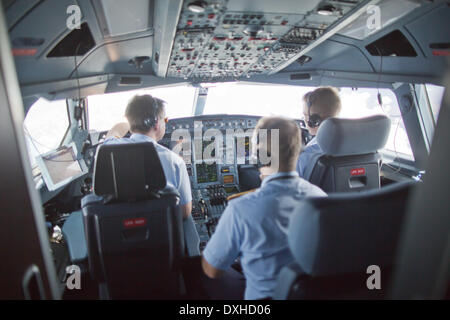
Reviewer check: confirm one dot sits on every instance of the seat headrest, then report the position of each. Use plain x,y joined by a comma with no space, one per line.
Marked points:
346,233
128,172
344,137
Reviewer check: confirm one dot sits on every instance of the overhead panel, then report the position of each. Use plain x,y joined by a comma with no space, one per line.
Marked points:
229,39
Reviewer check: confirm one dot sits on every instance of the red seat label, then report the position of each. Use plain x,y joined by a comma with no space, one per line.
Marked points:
134,222
358,172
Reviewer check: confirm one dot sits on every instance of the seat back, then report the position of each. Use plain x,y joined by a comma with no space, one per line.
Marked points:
334,240
350,161
134,238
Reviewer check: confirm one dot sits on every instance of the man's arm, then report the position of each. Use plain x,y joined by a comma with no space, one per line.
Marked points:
119,130
184,188
186,209
209,270
224,246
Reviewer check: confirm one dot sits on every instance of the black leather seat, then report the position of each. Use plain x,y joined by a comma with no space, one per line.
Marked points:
335,239
133,227
350,161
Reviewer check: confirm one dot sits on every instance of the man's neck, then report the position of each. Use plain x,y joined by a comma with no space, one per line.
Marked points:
149,134
285,169
266,171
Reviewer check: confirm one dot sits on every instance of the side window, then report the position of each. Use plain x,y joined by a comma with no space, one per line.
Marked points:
45,125
363,102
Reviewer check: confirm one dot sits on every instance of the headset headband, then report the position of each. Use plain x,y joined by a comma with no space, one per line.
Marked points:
150,122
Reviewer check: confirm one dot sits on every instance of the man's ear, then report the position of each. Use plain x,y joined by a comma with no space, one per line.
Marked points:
157,125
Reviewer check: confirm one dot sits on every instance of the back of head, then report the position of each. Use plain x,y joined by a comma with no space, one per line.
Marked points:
287,148
324,101
143,111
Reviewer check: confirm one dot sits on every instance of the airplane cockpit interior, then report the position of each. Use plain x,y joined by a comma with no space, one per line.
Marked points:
98,218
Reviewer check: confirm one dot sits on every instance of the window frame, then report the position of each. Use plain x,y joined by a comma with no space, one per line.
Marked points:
68,124
425,114
412,122
426,90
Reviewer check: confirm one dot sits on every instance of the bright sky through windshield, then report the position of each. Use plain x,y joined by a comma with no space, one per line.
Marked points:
105,110
47,121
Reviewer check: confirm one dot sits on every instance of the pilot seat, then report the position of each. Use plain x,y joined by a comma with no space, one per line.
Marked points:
133,226
350,161
339,242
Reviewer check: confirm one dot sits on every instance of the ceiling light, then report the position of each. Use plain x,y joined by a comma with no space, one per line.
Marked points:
197,6
326,10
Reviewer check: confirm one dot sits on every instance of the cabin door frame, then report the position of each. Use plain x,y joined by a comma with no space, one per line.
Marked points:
27,269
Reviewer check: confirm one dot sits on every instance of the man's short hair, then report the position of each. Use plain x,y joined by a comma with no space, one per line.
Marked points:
325,101
290,137
143,107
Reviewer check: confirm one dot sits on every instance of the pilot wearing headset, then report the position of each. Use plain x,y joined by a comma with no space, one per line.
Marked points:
147,123
253,227
319,105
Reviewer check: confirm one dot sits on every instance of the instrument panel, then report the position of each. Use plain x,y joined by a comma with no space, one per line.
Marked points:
217,153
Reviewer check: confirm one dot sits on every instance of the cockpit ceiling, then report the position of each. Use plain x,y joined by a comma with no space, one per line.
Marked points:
211,40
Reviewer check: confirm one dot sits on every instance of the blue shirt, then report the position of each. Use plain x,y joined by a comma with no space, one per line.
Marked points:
311,150
254,227
173,165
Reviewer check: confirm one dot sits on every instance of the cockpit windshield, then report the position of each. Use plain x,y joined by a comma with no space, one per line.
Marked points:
257,100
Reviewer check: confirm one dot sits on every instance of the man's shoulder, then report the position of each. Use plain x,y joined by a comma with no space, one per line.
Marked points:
113,140
249,197
248,203
312,146
163,149
308,152
309,189
163,152
169,154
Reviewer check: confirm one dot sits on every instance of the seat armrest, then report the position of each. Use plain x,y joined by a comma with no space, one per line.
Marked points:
191,238
73,232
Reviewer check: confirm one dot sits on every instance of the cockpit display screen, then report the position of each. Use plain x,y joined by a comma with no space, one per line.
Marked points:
61,166
206,173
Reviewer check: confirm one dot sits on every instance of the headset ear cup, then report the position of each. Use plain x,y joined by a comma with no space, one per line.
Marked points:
150,123
314,120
